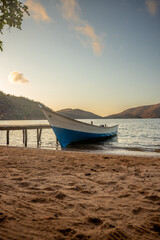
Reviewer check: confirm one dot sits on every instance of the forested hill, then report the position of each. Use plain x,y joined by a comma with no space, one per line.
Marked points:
19,108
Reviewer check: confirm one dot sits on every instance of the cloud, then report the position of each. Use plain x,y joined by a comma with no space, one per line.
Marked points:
71,12
37,11
89,32
152,6
16,77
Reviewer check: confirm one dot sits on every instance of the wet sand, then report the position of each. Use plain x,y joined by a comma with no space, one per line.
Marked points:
47,194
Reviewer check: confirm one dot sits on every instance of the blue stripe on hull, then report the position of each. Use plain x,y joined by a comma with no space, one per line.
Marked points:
66,136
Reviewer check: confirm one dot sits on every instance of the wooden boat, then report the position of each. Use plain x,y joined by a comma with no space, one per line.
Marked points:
69,131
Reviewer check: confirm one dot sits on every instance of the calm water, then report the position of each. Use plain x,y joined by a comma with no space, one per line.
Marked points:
135,137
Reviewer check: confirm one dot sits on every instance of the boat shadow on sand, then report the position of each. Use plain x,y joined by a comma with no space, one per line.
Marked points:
92,144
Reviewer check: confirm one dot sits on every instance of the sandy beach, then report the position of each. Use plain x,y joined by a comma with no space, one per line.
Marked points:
47,194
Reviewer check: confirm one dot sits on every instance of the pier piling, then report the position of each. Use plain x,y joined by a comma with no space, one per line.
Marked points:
39,133
24,129
25,137
7,135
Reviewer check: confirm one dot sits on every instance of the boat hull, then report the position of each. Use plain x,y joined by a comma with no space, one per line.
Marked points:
68,136
69,131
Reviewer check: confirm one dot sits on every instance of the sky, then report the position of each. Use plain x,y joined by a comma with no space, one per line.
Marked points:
100,56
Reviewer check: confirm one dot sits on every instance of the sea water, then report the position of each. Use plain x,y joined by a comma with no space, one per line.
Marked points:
135,137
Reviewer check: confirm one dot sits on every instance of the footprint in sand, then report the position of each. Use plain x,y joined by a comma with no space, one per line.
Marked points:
17,179
38,200
61,195
139,210
86,192
81,236
2,217
48,189
149,229
39,179
107,225
118,234
125,195
24,184
155,224
111,183
95,221
153,198
67,232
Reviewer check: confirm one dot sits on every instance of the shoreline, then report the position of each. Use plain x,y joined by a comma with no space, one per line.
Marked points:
70,195
137,152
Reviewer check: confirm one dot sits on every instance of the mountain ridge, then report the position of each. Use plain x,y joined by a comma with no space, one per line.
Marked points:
147,111
21,108
78,114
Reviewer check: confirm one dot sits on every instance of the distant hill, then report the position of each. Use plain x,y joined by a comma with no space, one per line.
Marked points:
150,111
19,108
78,114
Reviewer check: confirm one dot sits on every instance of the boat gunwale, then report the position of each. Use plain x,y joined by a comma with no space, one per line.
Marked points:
83,123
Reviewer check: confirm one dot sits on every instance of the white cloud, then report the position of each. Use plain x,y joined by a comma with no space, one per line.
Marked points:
37,11
71,12
16,77
88,31
152,6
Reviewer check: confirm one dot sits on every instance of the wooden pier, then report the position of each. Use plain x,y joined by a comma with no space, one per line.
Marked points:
24,128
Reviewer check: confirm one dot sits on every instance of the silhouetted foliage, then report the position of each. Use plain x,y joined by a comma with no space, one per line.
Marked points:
11,14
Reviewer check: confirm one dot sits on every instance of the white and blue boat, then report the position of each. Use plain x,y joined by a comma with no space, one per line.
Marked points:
70,131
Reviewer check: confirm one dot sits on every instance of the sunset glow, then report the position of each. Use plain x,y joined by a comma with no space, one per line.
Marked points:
99,56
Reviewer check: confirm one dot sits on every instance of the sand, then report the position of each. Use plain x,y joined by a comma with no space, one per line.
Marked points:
47,194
